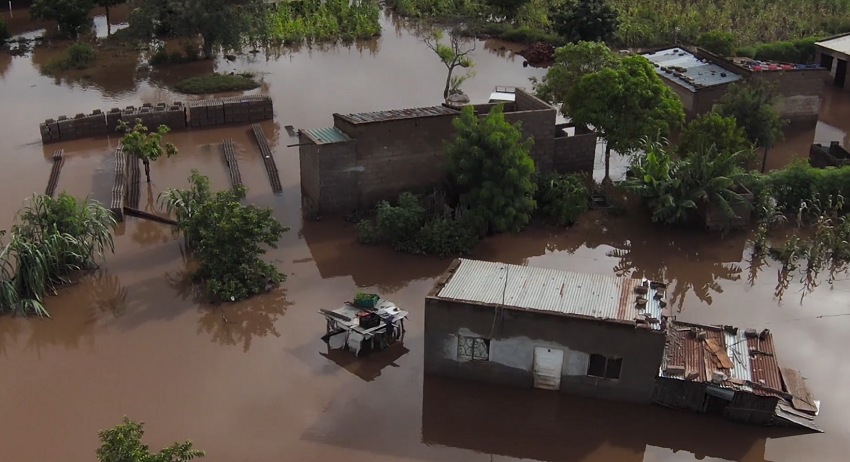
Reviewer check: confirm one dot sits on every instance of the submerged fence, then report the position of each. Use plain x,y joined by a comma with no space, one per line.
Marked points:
217,111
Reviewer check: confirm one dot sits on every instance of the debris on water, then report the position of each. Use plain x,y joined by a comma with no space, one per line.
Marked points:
539,54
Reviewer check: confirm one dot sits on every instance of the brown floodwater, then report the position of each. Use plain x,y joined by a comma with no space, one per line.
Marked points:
133,339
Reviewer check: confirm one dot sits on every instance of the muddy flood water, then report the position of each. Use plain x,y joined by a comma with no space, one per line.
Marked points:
131,339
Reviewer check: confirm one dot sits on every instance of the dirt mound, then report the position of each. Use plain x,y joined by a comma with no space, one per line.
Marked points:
539,54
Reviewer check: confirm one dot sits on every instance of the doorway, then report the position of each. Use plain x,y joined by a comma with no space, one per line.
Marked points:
548,363
840,73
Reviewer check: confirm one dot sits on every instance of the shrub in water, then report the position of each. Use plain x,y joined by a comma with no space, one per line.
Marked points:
562,198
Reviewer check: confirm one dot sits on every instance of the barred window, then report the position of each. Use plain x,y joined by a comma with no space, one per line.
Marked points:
604,368
473,348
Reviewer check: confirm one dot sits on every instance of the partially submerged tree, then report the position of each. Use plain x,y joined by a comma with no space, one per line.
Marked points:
572,62
624,105
753,108
107,4
489,160
590,20
72,16
123,443
712,128
226,238
453,55
146,146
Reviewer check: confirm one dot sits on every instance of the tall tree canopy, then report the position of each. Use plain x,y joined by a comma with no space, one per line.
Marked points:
491,162
572,62
591,20
625,104
72,16
712,128
753,106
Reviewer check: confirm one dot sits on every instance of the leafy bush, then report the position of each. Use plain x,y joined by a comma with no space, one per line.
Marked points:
123,444
226,238
77,56
562,198
746,52
711,128
718,42
409,226
4,30
778,51
801,186
585,20
72,16
216,83
161,57
675,189
366,232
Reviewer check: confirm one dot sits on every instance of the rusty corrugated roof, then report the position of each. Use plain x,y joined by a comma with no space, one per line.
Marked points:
754,366
765,367
567,293
398,114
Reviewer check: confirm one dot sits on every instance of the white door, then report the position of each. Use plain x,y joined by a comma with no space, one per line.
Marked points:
547,368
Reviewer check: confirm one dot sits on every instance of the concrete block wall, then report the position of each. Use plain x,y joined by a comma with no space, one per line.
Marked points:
152,116
329,177
80,126
394,156
574,154
538,125
800,90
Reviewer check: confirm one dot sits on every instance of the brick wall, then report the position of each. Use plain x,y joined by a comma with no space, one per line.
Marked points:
574,153
398,155
686,96
329,176
539,125
800,90
706,98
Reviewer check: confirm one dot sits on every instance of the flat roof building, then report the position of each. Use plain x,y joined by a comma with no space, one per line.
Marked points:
833,54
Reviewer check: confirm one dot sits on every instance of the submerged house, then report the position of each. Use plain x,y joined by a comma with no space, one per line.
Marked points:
603,337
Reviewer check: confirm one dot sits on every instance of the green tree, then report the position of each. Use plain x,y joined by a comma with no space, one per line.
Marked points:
489,159
718,42
572,62
123,443
753,106
146,146
226,238
106,4
624,105
508,8
220,23
585,20
712,128
453,55
72,16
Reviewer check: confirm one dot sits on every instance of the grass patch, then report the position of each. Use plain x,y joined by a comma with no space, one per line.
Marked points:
77,56
314,20
522,34
216,83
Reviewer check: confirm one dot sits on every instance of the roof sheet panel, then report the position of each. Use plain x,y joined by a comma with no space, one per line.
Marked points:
327,135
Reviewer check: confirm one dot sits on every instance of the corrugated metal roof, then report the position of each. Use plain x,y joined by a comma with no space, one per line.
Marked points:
326,135
736,349
561,292
702,72
398,114
763,362
840,43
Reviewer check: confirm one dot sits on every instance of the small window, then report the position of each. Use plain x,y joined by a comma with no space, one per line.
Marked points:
473,348
604,368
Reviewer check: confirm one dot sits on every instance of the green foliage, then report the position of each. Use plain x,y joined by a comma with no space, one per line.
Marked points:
72,16
794,51
410,227
453,55
521,34
562,198
625,104
226,238
146,146
746,52
55,237
675,189
317,21
645,23
753,108
123,443
508,8
585,20
4,30
220,23
216,83
489,160
718,42
801,187
572,62
78,56
437,9
711,128
162,57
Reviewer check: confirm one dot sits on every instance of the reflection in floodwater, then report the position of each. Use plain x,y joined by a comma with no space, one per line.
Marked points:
369,367
546,426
